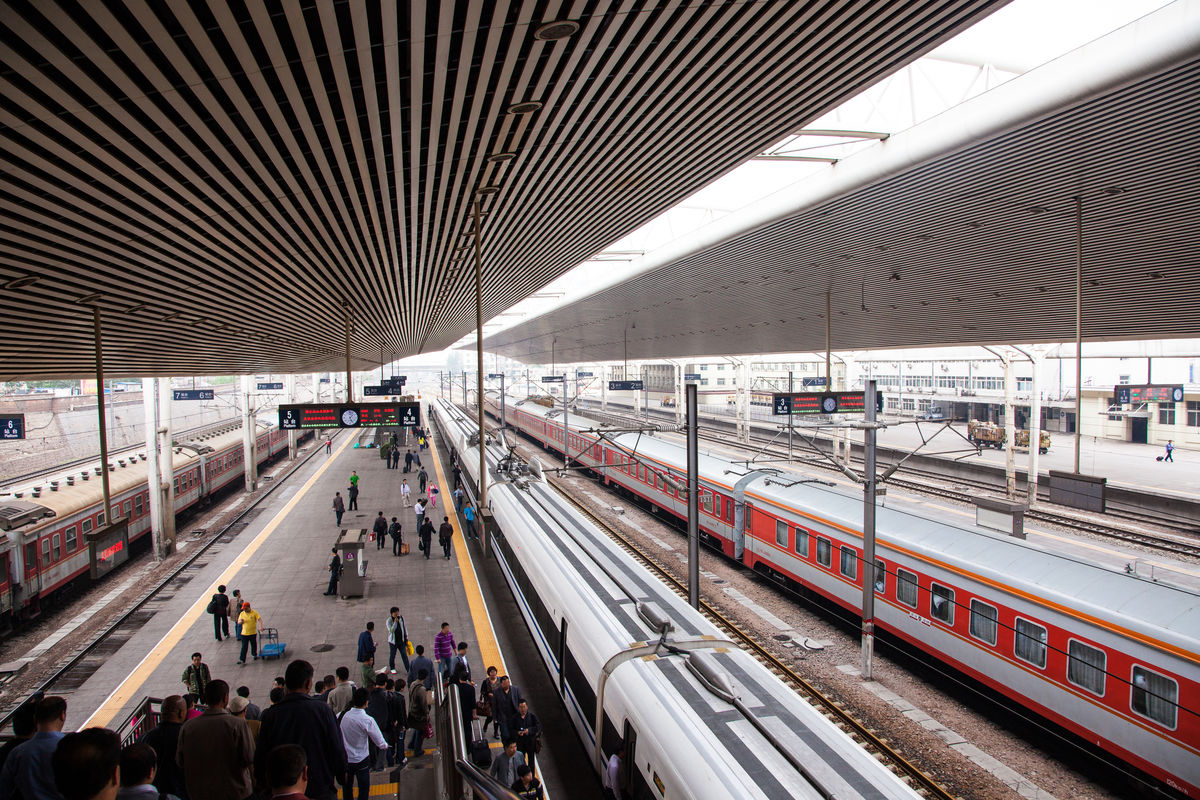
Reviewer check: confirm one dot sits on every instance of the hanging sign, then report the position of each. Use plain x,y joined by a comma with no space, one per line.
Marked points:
193,394
353,415
270,387
12,426
625,386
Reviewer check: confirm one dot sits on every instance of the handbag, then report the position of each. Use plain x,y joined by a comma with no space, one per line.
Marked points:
212,606
408,647
428,732
483,707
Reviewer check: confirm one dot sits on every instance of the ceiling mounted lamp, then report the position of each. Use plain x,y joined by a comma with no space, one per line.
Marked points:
1114,190
170,316
527,107
20,282
486,190
500,158
558,29
136,308
88,299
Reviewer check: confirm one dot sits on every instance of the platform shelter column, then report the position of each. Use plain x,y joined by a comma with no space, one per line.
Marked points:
289,387
316,387
604,387
249,436
166,464
153,457
1035,421
1010,430
743,401
679,389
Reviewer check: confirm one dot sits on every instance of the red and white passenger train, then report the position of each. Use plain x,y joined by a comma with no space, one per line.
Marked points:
56,530
1113,657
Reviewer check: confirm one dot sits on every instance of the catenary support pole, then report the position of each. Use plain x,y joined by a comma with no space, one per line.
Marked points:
503,402
1035,424
791,390
479,355
566,444
693,499
1078,327
103,428
289,388
868,564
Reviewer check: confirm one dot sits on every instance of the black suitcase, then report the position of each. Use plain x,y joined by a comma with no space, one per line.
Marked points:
481,751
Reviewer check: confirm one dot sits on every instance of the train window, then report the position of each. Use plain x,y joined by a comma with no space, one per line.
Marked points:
46,550
983,621
57,547
1086,666
706,501
941,603
801,544
781,533
31,558
86,527
729,512
1031,642
137,505
880,577
824,552
716,501
70,537
849,562
1154,696
129,508
100,518
641,472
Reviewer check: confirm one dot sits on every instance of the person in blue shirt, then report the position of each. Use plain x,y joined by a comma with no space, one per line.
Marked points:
469,516
366,643
28,772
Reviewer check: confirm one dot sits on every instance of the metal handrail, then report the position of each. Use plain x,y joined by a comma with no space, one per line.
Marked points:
466,779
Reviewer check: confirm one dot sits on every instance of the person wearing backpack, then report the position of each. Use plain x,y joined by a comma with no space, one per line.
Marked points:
418,712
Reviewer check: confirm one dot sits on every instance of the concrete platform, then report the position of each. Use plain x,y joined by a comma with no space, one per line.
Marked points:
279,563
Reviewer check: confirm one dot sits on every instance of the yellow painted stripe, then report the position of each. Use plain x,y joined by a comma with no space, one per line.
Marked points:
481,618
131,687
384,789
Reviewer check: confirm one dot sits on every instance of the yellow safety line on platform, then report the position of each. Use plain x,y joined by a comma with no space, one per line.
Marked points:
133,684
485,634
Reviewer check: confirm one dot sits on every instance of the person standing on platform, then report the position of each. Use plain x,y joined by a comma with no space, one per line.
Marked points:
457,476
352,493
328,445
366,671
408,459
335,572
418,711
458,498
85,766
612,774
486,690
23,728
419,510
469,517
354,478
339,508
445,535
527,786
421,663
235,608
426,534
287,772
28,772
460,660
1170,456
139,767
422,480
238,706
339,697
528,730
303,720
359,731
253,712
251,622
379,709
379,529
196,676
505,701
165,741
397,639
216,751
443,650
218,606
395,533
406,493
366,643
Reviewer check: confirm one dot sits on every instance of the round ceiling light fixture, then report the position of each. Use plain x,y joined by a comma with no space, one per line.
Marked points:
500,158
88,299
20,282
485,190
558,29
527,107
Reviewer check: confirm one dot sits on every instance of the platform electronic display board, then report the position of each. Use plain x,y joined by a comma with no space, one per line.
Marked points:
823,403
691,376
269,387
552,379
108,547
1150,393
348,415
193,394
12,426
625,386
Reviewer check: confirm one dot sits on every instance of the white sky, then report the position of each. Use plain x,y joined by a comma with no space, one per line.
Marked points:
1013,40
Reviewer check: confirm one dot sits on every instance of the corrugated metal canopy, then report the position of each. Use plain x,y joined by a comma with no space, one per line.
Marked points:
227,175
959,231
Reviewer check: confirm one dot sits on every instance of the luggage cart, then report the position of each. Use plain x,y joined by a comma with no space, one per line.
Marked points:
271,647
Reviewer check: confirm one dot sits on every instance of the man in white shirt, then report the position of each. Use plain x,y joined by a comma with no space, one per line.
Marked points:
358,731
406,493
612,775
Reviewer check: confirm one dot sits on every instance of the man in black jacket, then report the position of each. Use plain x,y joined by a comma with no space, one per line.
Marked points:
305,721
165,739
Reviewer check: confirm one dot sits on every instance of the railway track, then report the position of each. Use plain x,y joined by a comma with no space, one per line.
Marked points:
857,730
101,645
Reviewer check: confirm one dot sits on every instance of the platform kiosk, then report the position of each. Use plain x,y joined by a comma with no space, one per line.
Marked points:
351,547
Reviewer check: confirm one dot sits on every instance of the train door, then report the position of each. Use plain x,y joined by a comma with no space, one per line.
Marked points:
1139,429
634,781
562,652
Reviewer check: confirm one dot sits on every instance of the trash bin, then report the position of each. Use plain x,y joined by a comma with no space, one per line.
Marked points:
351,549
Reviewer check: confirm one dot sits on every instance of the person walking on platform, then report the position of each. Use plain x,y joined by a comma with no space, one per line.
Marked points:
354,478
196,676
300,719
418,711
216,750
486,690
443,650
423,480
421,664
352,493
328,445
445,536
419,510
504,768
406,493
396,533
408,459
339,696
433,495
417,458
528,730
165,741
527,786
339,508
379,530
457,476
505,701
359,731
251,622
335,572
426,535
366,643
218,606
397,639
1170,456
469,516
457,494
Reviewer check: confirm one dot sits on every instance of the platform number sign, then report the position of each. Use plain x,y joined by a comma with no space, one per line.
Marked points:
12,426
193,394
625,386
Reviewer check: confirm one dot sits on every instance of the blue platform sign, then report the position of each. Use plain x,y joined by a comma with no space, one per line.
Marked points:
810,382
12,426
270,387
376,391
583,374
625,386
495,376
783,404
552,379
193,394
691,376
324,380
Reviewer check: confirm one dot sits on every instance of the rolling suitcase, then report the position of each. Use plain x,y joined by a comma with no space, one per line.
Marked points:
481,751
270,646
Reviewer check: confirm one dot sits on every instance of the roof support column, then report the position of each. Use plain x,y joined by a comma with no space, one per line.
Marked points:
679,390
316,387
1010,430
479,360
249,436
103,429
1078,326
1035,423
349,384
153,458
604,387
166,464
289,386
